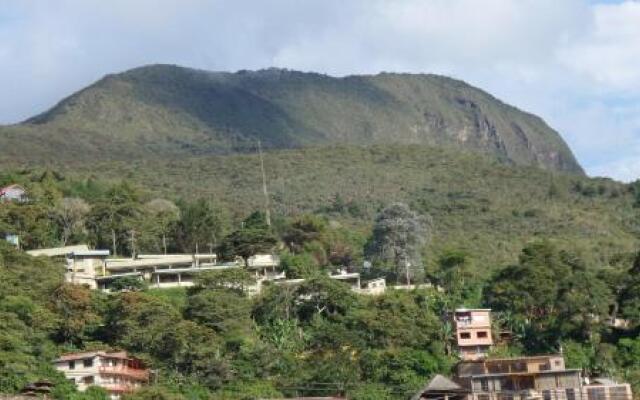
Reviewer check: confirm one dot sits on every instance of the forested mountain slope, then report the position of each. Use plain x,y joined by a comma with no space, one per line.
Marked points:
477,203
162,110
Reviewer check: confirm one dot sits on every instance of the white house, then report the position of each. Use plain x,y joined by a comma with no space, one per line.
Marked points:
116,372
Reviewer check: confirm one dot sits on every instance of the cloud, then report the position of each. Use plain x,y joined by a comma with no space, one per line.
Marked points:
572,62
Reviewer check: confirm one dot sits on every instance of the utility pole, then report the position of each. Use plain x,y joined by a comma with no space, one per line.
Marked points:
264,186
133,243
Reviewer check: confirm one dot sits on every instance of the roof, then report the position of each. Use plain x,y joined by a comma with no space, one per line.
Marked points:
9,187
58,251
605,381
91,253
439,384
523,358
548,372
472,309
148,262
90,354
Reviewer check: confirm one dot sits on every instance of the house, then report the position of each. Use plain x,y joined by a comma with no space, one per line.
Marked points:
116,372
441,388
473,332
84,265
13,193
542,377
12,239
41,389
373,287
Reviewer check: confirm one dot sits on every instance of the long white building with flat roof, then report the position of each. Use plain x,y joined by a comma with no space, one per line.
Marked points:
97,270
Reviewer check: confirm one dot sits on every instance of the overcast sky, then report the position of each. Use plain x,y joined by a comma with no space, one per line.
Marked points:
576,63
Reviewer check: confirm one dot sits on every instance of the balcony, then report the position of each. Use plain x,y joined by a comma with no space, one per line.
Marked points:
135,373
118,387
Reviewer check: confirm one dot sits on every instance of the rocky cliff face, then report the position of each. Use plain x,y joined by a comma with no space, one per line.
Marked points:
167,110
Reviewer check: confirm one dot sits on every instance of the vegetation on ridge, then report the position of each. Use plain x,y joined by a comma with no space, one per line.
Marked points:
162,110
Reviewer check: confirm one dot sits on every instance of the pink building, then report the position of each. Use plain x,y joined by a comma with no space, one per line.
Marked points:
473,332
13,193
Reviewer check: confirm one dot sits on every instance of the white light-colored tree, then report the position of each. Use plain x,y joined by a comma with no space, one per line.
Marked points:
72,213
399,234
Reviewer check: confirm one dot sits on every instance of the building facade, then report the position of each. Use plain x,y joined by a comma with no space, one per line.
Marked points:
115,372
473,333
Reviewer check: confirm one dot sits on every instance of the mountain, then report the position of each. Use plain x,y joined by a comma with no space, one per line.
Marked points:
164,111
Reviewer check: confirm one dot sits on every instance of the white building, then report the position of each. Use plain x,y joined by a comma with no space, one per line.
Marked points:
116,372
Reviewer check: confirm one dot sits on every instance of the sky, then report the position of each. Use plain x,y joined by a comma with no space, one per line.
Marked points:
576,63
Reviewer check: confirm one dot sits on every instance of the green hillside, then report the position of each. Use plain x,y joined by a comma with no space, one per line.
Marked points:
478,204
162,110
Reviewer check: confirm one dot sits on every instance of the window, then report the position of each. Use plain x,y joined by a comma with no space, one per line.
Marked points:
72,365
465,335
481,334
87,362
570,393
484,385
546,395
596,394
618,393
88,380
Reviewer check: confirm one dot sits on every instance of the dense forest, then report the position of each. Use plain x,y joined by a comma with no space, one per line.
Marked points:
317,338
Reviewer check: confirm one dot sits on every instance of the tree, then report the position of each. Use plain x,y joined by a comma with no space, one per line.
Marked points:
71,213
115,215
398,236
201,224
225,311
303,229
165,214
253,238
72,304
128,283
553,294
230,279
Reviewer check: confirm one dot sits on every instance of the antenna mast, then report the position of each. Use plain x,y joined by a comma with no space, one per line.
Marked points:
264,186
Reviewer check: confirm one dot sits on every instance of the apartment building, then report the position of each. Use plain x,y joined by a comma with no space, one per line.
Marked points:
473,332
116,372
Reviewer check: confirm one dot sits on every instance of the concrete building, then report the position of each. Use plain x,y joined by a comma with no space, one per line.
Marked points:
473,332
523,377
95,269
116,372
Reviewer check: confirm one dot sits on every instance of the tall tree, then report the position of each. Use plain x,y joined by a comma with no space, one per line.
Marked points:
71,214
202,224
115,216
399,234
254,237
164,215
